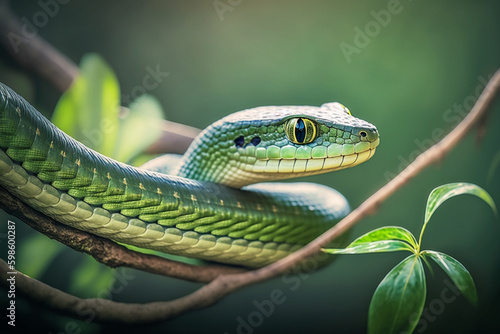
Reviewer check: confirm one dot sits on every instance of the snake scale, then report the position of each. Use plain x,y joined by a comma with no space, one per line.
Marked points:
210,208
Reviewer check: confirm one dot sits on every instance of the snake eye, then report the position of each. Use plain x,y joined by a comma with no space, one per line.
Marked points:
300,130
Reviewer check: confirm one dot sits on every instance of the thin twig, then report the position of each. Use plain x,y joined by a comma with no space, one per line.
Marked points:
109,311
107,251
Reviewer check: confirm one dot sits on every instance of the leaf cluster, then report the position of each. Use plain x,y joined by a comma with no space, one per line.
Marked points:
401,294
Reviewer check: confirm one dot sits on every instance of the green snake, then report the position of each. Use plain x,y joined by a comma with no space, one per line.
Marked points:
209,208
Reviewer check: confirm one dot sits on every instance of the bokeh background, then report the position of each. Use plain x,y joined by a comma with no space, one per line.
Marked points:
410,75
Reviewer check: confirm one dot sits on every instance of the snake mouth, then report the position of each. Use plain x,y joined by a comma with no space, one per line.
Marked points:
316,160
277,163
287,166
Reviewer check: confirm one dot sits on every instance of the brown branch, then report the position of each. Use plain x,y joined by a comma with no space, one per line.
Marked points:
175,138
105,310
37,55
110,311
107,251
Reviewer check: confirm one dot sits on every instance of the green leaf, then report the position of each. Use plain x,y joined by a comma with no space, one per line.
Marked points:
458,274
439,195
36,253
139,128
442,193
386,233
88,110
398,302
91,278
373,247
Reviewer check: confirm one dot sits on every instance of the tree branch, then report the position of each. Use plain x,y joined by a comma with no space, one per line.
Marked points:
106,310
109,311
175,138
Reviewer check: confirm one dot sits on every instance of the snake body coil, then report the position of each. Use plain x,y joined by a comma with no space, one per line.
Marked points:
253,226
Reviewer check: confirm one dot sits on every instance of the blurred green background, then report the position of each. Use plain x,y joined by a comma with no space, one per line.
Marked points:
409,74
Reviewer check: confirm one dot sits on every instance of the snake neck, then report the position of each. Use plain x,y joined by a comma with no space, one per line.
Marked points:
208,162
214,157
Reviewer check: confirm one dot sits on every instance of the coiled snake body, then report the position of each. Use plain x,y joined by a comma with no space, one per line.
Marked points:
200,212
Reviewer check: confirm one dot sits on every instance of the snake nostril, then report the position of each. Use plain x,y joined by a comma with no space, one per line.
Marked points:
255,141
240,141
367,134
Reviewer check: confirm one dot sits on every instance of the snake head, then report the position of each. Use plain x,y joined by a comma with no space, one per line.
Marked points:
279,142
